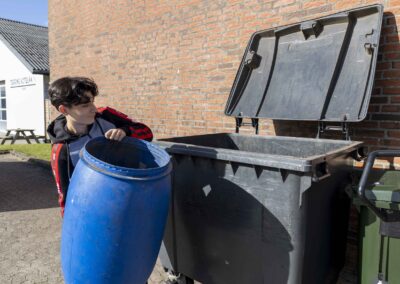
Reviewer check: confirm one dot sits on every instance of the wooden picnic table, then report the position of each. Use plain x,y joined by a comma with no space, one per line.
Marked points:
19,134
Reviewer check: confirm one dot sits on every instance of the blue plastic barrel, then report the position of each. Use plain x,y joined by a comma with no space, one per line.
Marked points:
115,213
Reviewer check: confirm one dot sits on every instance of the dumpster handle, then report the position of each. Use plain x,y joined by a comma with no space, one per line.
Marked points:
364,178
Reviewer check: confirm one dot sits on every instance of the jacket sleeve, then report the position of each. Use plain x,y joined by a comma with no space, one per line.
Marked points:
59,165
131,128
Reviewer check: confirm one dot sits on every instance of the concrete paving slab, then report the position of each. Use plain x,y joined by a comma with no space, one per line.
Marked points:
30,225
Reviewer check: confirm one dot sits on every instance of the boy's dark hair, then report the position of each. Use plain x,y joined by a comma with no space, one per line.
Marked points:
71,91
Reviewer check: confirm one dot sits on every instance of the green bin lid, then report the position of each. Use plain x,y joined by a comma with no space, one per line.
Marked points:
384,186
386,193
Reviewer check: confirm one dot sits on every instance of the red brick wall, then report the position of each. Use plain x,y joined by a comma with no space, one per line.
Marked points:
171,64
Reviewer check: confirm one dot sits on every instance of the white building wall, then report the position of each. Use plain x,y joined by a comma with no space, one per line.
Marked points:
25,104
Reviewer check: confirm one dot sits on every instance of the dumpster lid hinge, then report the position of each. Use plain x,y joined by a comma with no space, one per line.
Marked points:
344,128
240,123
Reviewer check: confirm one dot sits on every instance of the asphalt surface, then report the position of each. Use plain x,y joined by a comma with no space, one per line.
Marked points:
30,225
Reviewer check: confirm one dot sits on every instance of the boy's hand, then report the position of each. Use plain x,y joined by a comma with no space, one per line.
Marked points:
115,134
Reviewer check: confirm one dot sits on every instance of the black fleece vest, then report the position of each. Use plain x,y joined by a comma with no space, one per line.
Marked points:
99,127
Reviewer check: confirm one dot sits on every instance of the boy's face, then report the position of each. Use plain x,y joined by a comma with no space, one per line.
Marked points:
82,113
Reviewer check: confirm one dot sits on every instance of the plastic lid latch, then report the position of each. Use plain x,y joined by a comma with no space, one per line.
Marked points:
371,41
252,60
311,28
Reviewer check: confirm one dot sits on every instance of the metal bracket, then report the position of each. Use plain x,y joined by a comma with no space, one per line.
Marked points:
344,128
240,123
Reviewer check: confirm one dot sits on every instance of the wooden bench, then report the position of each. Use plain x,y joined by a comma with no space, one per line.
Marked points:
19,134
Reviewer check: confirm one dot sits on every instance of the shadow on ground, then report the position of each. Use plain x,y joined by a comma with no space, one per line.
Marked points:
25,186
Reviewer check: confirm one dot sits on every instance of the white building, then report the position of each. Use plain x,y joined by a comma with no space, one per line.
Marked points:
24,75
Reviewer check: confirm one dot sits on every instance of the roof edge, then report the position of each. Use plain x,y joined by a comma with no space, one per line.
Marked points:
41,72
17,54
24,23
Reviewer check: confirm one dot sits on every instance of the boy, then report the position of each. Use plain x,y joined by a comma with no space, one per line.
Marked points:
79,122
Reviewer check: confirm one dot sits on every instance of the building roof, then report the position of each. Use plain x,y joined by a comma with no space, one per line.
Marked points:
28,42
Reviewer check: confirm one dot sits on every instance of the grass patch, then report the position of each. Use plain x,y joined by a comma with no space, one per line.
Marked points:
38,151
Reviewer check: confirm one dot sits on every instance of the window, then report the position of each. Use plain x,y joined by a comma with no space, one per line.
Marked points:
3,107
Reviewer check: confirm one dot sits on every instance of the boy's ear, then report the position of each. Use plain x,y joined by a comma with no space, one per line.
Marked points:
62,109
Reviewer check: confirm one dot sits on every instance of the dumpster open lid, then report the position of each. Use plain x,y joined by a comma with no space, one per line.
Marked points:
320,70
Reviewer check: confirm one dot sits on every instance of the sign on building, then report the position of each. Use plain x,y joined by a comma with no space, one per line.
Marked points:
23,81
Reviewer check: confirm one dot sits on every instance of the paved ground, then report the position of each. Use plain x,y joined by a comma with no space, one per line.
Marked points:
30,225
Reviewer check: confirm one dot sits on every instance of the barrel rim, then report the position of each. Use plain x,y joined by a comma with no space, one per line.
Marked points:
125,172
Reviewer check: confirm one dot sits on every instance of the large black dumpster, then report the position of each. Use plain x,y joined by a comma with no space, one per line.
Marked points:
252,209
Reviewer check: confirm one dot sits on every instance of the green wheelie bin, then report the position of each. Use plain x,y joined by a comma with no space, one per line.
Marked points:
379,206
